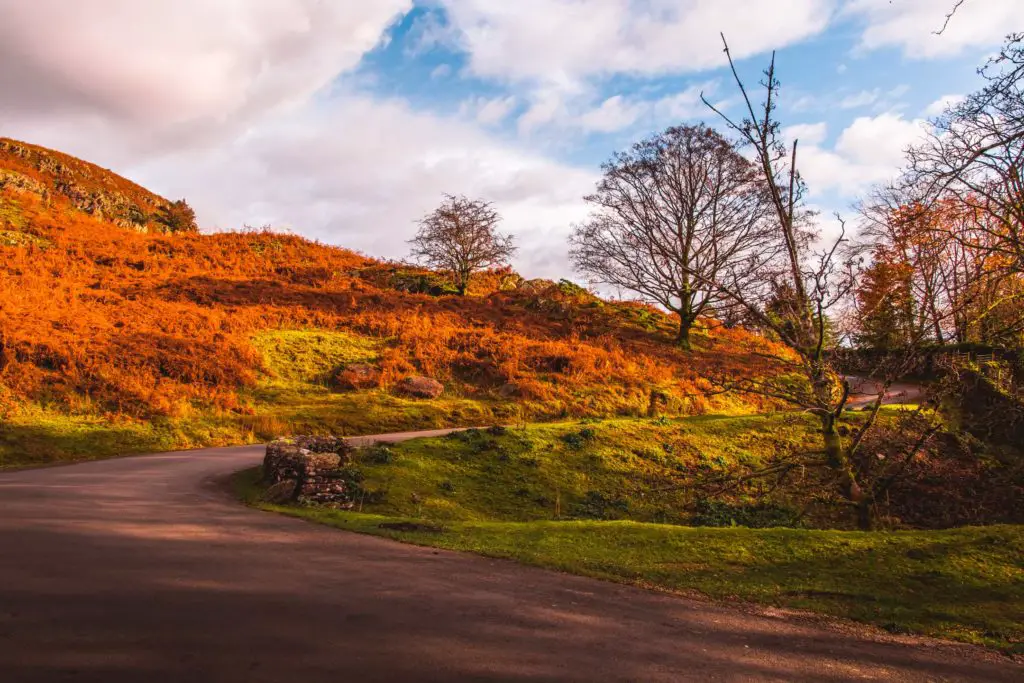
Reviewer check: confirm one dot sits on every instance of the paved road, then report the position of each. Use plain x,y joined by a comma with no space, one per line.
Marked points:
144,569
864,392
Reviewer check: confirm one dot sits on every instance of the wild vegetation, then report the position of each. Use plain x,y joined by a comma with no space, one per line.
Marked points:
116,340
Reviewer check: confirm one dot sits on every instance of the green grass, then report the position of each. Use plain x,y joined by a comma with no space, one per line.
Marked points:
304,357
293,397
35,435
964,584
638,469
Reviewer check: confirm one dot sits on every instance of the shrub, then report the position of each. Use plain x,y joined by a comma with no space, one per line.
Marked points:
597,505
579,439
763,515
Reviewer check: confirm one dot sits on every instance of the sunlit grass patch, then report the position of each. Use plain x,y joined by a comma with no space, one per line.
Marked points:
311,356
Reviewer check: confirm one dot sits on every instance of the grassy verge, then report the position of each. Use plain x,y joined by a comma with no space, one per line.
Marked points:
963,584
635,469
39,436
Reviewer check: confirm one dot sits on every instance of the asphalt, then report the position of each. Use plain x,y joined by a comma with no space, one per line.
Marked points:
864,392
145,569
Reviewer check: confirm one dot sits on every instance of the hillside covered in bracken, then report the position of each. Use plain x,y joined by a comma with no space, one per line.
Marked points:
120,330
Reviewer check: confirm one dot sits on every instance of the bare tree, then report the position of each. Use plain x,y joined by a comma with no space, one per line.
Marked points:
461,237
678,211
975,153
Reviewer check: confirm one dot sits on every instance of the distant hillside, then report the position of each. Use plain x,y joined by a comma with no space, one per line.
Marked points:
39,178
115,338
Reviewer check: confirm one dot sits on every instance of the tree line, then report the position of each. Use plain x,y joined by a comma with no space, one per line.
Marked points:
705,223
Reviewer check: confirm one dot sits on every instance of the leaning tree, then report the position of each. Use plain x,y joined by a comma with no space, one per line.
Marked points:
677,212
807,289
461,237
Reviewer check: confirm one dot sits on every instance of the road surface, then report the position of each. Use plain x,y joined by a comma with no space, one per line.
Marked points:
144,569
864,392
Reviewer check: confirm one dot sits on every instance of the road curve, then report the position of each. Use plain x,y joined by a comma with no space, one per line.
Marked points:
144,569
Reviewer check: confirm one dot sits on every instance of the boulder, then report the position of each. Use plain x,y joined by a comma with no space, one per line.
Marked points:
420,387
509,390
357,376
536,286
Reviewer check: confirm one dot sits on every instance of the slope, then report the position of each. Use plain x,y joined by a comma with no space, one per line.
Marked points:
115,337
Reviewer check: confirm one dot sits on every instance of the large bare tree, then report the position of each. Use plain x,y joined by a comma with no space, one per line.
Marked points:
678,211
461,237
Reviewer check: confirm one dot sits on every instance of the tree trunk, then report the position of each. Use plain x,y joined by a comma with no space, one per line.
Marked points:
462,283
839,462
687,317
865,519
836,456
683,335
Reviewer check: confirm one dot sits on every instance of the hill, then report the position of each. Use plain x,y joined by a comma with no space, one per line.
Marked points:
36,180
116,336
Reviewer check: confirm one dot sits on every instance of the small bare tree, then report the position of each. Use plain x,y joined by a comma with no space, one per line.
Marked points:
461,237
678,211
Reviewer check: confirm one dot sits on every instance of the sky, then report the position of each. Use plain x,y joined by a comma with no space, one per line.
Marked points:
347,120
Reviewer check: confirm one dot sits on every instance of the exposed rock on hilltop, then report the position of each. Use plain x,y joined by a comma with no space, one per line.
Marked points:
57,181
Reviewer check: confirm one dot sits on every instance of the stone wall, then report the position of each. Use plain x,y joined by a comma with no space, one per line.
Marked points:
309,469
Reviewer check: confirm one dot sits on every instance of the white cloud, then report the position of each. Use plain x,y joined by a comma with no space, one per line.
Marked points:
159,74
428,32
860,99
441,71
877,99
806,133
911,25
581,112
939,106
878,140
365,191
547,106
572,40
489,111
869,151
685,104
613,114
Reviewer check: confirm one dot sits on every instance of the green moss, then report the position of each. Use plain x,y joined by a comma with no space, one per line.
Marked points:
965,584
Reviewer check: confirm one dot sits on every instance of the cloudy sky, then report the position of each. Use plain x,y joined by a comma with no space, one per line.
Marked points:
345,120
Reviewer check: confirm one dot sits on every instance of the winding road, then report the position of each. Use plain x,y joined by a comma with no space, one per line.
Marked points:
145,569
